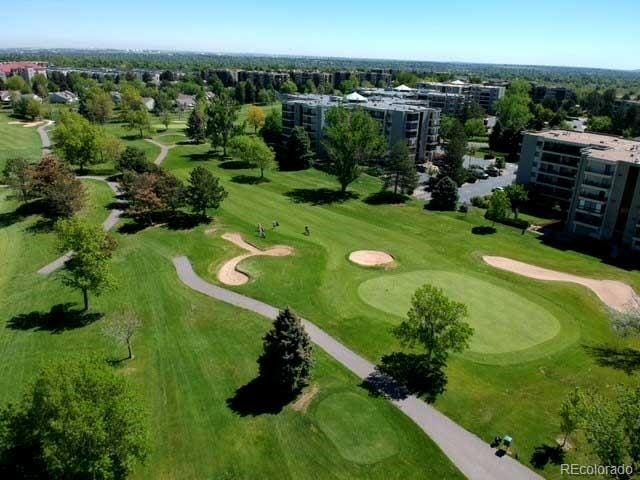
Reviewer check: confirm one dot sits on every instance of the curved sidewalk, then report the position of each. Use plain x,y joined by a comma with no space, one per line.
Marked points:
473,457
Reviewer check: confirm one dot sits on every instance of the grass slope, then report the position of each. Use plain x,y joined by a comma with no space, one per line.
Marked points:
193,356
17,141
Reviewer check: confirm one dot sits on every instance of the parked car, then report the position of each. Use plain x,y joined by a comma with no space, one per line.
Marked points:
492,171
497,189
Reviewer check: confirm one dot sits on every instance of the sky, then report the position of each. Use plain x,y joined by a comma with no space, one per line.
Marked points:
589,33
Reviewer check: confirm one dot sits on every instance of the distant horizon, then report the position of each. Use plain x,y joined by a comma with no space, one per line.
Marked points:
157,51
549,33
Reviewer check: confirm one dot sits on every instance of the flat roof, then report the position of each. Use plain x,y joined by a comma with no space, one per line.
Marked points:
372,103
596,145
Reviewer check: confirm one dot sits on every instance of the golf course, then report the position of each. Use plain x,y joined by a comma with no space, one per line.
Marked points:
533,340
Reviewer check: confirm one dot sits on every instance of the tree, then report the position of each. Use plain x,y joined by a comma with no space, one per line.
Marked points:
92,247
197,124
253,150
352,138
444,195
571,412
456,149
238,93
18,84
287,357
122,329
447,124
271,131
474,127
518,196
513,109
79,419
138,120
204,191
111,148
98,106
133,159
498,206
222,116
249,92
600,124
473,110
61,192
298,154
153,193
18,174
76,140
27,107
288,87
436,323
399,171
256,118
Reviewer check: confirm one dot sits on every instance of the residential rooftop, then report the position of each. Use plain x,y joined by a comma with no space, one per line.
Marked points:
603,147
372,103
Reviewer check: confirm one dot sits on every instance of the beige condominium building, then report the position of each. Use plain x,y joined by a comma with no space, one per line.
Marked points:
401,119
592,177
484,95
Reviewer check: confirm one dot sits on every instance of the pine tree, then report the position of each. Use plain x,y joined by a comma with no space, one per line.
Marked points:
444,195
400,170
287,359
299,155
197,124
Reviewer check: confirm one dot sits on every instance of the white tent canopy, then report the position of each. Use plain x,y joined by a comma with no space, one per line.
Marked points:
355,97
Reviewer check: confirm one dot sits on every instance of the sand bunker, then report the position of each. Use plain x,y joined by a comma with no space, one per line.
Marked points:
371,258
229,273
29,124
614,294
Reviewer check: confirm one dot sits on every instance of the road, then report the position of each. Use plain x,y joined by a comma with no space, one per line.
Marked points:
473,456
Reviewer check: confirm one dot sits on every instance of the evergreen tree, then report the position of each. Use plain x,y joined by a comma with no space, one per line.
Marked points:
444,195
399,172
287,359
197,124
239,93
204,191
249,92
456,149
298,155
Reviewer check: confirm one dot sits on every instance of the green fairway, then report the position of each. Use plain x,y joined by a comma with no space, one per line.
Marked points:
503,321
17,141
171,139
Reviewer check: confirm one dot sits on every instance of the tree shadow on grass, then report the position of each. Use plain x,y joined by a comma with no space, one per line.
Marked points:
386,197
23,211
319,196
401,374
249,179
258,398
483,230
619,358
545,454
43,225
201,156
235,165
184,221
61,317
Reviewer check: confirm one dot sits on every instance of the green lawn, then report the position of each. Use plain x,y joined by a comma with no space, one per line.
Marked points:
192,355
17,141
504,322
535,340
547,340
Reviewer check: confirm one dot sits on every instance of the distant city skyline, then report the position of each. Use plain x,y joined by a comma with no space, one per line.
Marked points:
549,33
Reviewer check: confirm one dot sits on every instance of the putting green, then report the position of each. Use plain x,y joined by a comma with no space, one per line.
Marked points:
356,427
503,321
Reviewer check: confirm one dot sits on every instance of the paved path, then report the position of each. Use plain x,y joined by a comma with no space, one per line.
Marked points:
164,150
473,457
44,137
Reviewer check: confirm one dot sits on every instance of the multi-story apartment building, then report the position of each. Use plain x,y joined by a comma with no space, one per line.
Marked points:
300,77
263,78
401,120
593,177
484,95
26,70
559,94
378,77
451,104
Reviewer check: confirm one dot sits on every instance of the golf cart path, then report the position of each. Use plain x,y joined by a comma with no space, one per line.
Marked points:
114,215
164,150
229,274
616,295
44,137
471,455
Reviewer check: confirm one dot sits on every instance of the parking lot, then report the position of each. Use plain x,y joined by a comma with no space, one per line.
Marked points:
477,189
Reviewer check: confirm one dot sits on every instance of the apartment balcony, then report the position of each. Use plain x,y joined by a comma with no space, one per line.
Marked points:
588,219
598,197
555,181
590,210
600,172
558,172
559,160
589,182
